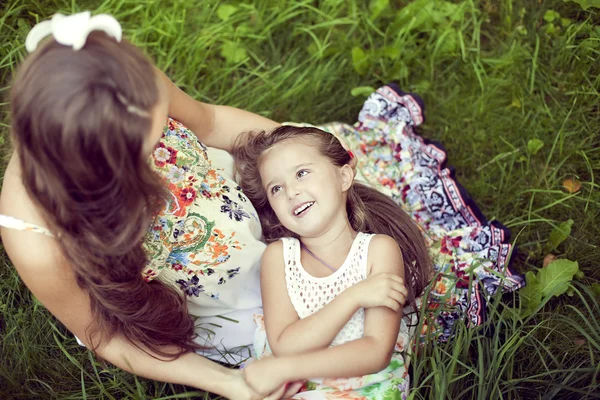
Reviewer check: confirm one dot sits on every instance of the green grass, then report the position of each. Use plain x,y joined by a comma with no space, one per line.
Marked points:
493,73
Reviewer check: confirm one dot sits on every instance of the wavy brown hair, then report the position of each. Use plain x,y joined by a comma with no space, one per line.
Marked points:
368,210
83,163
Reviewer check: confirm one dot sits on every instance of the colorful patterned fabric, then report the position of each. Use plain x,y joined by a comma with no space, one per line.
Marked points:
206,240
470,254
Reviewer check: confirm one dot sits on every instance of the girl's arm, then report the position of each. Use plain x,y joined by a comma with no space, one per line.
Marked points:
52,281
215,126
364,356
289,335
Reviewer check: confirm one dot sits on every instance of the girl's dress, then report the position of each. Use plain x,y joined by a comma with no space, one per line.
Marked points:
308,295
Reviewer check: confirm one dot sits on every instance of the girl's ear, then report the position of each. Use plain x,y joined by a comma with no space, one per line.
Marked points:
347,174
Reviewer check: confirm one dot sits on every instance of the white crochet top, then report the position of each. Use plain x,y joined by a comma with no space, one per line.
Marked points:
309,294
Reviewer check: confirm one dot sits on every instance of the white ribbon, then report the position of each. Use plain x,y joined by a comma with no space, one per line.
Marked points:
73,30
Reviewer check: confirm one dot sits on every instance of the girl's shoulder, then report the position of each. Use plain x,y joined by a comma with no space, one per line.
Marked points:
383,249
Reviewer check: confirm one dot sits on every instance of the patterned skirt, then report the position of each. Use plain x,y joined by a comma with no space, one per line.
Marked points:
470,254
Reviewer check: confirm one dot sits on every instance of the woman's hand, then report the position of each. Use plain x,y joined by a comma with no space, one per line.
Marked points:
239,388
380,290
266,376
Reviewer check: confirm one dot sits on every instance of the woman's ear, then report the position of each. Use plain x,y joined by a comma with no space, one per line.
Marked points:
347,175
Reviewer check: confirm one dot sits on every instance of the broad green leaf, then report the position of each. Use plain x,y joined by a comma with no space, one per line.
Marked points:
531,295
391,52
585,4
559,234
377,7
551,15
448,42
550,29
554,280
225,11
360,61
233,52
362,91
534,145
419,13
596,289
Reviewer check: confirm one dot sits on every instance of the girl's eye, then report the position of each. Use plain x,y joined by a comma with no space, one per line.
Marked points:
275,189
301,173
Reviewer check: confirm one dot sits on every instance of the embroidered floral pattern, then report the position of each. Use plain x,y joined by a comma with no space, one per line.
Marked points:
181,239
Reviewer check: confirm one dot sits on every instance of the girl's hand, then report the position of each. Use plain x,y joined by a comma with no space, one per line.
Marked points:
266,376
380,290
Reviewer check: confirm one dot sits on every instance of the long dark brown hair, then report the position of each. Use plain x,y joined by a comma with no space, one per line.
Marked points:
368,210
83,163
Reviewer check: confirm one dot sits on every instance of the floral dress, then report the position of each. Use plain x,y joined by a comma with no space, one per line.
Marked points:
471,255
206,242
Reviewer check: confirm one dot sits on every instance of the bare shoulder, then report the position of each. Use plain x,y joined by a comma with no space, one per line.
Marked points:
385,256
39,261
32,253
273,256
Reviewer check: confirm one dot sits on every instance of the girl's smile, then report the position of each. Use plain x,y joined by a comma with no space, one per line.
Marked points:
304,188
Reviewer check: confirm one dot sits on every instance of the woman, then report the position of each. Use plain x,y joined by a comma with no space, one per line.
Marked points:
79,191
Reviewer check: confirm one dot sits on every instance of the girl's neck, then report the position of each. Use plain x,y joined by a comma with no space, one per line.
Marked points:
337,239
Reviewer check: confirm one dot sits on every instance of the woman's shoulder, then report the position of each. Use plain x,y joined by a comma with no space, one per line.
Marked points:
16,205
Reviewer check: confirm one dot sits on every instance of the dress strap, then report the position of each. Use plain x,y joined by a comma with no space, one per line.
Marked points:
15,223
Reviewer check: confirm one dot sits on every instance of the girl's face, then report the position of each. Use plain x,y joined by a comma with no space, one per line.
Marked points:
305,189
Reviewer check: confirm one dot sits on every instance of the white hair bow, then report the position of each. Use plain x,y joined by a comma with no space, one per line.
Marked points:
73,30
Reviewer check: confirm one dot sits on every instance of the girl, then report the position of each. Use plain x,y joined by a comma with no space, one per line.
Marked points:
333,286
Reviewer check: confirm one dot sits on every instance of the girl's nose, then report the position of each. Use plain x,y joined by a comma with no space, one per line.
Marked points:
292,191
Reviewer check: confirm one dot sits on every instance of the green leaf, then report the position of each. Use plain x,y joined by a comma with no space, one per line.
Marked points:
377,7
531,294
362,91
554,280
448,42
399,72
559,234
225,11
360,61
534,145
596,289
551,15
550,29
233,52
391,52
585,4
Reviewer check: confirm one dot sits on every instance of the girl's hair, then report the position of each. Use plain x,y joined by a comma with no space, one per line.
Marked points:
368,210
79,123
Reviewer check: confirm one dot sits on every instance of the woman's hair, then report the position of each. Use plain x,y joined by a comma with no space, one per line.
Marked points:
368,210
79,123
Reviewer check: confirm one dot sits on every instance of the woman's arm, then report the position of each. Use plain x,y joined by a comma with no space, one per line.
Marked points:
289,335
364,356
215,126
53,283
